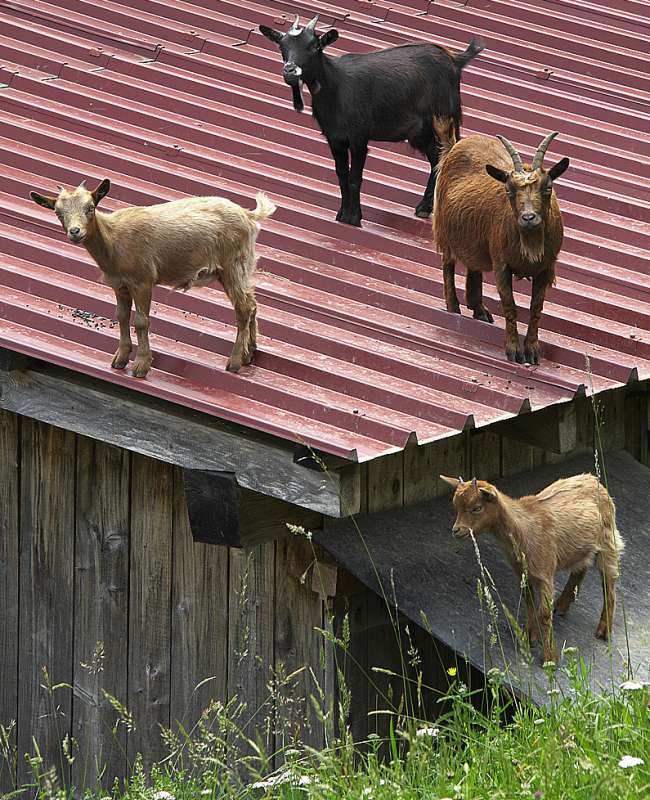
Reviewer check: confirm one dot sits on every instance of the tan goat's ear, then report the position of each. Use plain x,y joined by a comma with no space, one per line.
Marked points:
101,191
43,200
488,493
455,482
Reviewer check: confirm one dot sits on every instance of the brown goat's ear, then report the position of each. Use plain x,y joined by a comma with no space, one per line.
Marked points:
43,200
328,38
496,173
273,36
101,191
455,482
558,169
488,494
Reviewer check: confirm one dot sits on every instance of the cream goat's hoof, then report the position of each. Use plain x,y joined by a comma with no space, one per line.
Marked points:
120,360
141,368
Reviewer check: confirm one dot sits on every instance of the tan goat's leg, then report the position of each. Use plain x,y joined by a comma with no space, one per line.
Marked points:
123,314
541,283
243,301
142,300
608,566
449,283
546,620
252,331
504,287
570,591
532,621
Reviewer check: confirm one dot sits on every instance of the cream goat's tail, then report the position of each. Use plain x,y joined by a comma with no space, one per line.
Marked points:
263,209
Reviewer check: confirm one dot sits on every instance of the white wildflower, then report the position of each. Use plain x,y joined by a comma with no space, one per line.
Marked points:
366,792
630,761
163,795
432,732
538,722
553,692
275,780
304,780
631,686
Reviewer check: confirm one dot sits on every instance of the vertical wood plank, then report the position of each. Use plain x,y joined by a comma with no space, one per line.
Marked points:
250,637
199,619
485,455
299,611
101,610
386,482
637,407
9,576
355,660
150,605
424,464
516,456
47,509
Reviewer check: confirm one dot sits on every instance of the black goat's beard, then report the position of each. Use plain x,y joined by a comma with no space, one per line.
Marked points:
296,94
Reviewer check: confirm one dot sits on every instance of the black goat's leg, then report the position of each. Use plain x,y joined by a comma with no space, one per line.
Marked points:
341,162
425,206
358,154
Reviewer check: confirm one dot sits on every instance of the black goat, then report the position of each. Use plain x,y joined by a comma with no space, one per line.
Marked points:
389,96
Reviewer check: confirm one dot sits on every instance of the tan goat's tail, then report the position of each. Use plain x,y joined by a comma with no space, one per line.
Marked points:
263,209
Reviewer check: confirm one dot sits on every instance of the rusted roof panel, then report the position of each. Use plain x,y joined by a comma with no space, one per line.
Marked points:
357,353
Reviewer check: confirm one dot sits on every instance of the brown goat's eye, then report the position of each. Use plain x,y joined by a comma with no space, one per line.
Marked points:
477,509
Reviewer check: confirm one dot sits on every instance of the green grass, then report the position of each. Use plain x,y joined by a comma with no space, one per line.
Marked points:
574,748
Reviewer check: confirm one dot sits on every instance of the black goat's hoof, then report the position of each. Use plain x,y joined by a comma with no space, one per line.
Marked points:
483,315
349,219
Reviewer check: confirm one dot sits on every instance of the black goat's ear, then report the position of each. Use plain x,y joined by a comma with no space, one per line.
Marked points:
273,36
43,200
496,173
101,191
558,169
328,38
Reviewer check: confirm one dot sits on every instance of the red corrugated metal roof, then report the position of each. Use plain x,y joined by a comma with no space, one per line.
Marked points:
357,352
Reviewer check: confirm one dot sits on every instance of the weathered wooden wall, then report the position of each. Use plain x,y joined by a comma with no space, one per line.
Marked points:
95,546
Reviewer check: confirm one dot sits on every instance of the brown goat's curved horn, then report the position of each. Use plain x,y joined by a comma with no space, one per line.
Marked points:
514,155
541,150
311,24
295,23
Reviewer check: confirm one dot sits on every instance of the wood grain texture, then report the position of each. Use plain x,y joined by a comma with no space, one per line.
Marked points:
298,644
47,509
101,609
149,651
485,455
386,483
424,464
415,547
199,619
165,432
250,637
9,577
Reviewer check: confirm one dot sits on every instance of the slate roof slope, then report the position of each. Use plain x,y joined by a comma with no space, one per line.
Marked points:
357,352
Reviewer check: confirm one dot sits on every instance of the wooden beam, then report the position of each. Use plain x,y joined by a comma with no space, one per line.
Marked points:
553,428
178,436
212,506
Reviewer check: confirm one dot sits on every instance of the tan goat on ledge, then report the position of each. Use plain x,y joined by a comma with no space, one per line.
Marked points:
191,242
562,527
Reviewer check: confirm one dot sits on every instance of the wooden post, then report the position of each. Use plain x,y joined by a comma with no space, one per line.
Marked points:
150,605
9,505
46,594
199,619
101,610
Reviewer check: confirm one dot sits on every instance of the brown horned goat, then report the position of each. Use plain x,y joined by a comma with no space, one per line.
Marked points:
191,242
493,212
562,527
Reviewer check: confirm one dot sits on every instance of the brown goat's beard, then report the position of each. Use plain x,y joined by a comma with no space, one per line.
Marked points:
532,245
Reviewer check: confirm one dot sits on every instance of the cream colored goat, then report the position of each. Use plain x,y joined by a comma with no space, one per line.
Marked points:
191,242
562,527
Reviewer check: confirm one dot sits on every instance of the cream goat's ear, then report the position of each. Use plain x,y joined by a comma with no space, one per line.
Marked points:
488,494
455,482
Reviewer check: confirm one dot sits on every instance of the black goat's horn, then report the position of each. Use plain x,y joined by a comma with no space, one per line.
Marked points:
541,150
295,23
514,155
312,23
